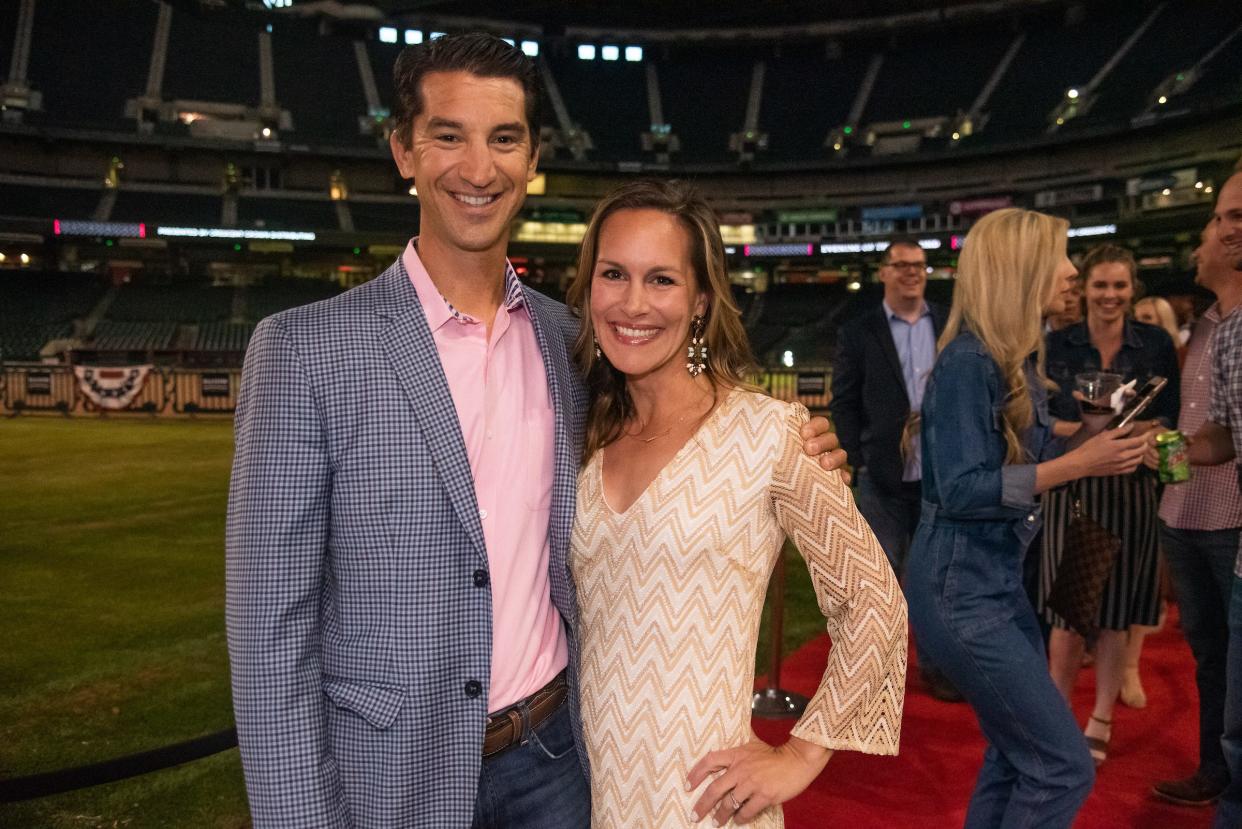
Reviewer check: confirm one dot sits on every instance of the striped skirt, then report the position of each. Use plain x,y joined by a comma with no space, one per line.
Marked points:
1126,506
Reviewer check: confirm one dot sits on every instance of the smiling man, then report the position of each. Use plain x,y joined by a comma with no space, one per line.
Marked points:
883,359
400,614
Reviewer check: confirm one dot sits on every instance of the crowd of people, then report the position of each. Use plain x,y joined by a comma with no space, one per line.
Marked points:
498,562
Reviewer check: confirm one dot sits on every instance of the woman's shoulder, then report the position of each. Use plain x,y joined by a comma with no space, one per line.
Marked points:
759,406
1151,336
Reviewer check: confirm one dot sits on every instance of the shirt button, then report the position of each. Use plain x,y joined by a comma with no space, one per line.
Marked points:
1201,378
1192,405
480,578
1030,519
483,514
473,688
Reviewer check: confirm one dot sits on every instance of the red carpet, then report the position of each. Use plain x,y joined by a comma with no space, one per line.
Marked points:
929,783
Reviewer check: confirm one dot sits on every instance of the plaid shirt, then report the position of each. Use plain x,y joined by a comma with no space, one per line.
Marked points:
1226,408
1210,500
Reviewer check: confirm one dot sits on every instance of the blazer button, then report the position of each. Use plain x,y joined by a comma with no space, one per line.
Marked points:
480,578
473,688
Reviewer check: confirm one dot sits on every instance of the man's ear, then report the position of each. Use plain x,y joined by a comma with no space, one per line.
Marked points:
401,155
532,168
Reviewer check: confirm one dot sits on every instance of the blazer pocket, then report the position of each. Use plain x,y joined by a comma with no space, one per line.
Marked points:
377,704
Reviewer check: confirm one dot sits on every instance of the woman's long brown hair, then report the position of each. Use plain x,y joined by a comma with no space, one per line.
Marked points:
729,359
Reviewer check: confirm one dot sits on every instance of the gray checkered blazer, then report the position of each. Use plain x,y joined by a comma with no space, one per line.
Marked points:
354,624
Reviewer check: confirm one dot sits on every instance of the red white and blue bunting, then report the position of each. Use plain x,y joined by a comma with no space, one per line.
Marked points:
111,388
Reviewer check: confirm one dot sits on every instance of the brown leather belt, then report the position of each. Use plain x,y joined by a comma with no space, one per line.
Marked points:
511,726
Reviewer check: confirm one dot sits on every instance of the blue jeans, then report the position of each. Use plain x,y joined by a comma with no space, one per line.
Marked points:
1229,809
893,518
536,785
969,608
1201,564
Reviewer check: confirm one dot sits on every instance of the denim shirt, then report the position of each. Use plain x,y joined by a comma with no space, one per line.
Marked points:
965,476
1146,350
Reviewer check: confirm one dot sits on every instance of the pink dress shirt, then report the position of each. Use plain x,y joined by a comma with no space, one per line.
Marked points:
1210,499
500,390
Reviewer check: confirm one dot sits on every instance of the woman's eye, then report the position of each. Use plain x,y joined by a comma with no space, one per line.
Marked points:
611,273
663,280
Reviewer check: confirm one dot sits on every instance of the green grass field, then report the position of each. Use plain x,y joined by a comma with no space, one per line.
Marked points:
112,615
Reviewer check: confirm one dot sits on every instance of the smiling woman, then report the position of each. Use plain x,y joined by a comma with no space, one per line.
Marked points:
691,482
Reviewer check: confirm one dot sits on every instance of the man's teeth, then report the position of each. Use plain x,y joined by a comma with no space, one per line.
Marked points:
635,332
474,201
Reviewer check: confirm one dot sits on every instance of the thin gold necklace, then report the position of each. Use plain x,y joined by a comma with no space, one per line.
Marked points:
666,432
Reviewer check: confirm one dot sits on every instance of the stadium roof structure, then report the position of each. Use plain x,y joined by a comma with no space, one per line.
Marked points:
659,19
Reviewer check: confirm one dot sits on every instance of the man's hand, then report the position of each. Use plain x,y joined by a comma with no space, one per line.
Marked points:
819,441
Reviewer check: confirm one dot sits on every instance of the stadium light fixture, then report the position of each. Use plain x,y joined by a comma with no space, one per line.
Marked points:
787,359
1208,190
1072,94
266,132
509,40
1198,185
586,51
436,35
3,257
1162,100
634,54
388,34
957,136
610,52
413,37
530,48
25,257
853,286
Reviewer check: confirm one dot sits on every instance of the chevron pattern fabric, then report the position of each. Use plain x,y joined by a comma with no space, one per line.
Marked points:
671,593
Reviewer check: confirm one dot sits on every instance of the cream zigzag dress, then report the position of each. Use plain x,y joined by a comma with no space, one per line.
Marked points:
670,594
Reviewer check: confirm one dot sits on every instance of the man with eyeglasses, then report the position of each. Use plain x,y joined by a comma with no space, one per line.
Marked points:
883,359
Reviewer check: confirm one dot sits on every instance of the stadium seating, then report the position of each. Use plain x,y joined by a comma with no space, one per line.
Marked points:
286,214
321,111
223,336
278,294
214,57
28,200
167,208
133,336
154,303
74,40
37,307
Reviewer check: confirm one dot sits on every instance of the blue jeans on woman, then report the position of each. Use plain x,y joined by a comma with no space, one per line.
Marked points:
980,628
966,596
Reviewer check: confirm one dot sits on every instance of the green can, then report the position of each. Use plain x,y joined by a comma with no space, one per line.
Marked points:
1174,462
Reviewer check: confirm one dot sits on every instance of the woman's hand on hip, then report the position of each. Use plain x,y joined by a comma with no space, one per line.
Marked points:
754,776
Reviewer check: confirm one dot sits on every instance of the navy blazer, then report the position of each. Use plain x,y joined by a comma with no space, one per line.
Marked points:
869,403
359,639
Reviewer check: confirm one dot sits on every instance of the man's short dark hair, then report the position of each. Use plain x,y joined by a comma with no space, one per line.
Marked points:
900,242
475,52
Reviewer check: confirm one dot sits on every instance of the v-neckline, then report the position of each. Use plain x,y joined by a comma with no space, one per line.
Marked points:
689,442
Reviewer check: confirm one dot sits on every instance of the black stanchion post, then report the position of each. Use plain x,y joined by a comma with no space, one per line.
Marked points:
774,703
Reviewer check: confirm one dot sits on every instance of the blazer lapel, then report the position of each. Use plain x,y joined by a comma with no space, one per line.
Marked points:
412,353
884,334
565,475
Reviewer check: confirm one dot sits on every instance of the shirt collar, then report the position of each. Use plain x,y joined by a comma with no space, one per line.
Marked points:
1080,334
890,314
436,307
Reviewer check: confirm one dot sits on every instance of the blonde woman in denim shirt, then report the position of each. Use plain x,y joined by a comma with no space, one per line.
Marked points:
988,451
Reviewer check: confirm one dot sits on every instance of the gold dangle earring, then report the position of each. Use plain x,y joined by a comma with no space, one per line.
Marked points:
598,353
696,352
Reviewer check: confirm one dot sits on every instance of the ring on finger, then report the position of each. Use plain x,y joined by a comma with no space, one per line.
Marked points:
733,800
